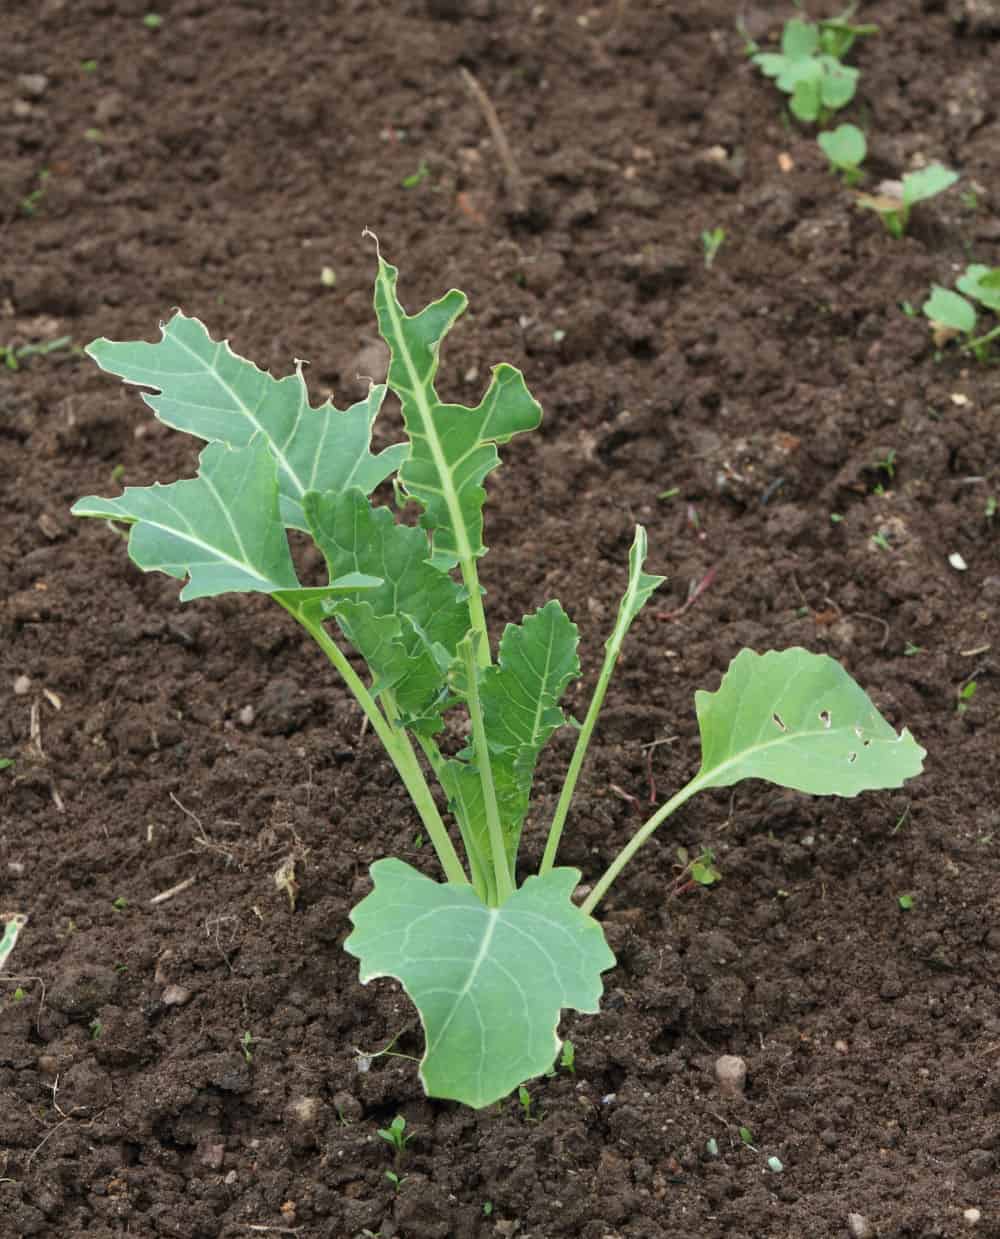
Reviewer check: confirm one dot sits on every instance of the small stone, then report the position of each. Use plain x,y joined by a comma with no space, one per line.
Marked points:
972,1216
22,685
16,868
731,1074
211,1155
33,84
246,716
176,996
859,1227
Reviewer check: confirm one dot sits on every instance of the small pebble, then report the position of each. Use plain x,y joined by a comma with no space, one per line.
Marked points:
33,84
22,685
176,996
246,716
731,1074
859,1227
972,1216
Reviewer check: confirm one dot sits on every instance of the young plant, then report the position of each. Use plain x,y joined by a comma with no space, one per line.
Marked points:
488,963
395,1134
894,203
952,315
809,67
845,147
711,242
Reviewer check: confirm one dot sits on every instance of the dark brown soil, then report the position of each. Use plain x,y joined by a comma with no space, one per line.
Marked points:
240,149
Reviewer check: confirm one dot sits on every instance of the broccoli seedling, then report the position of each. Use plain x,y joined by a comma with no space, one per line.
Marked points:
893,205
845,147
489,963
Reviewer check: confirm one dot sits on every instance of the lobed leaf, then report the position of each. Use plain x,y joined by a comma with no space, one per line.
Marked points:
203,388
221,529
489,983
408,627
452,448
799,720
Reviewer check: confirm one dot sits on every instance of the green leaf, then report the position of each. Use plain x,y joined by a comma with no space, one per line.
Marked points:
641,586
452,448
807,98
206,390
982,284
489,983
798,719
926,183
949,309
838,85
799,39
536,660
845,146
407,628
221,529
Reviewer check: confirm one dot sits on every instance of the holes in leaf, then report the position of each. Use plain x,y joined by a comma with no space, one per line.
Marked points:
777,720
852,757
824,718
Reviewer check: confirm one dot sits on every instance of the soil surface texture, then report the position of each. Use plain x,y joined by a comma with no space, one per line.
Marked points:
812,468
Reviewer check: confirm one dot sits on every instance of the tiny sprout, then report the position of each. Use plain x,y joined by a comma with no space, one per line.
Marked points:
88,66
119,904
525,1102
95,1027
909,650
246,1045
414,179
906,902
152,21
328,277
711,243
953,315
990,510
20,994
568,1059
836,518
746,1135
881,541
394,1179
395,1135
487,1208
965,695
845,147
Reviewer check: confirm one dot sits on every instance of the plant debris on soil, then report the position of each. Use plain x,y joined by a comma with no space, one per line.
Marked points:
192,804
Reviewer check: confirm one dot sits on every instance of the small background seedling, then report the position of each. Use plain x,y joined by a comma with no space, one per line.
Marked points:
845,147
964,696
525,1101
893,205
711,243
568,1059
414,179
246,1045
809,66
699,871
952,315
395,1135
906,902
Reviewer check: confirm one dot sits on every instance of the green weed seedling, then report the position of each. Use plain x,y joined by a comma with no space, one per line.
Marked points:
488,961
953,315
809,66
894,208
711,242
13,355
395,1134
845,147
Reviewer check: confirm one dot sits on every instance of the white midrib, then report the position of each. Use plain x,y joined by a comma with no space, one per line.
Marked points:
492,920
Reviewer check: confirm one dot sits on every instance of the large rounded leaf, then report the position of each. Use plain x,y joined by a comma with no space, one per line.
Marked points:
489,983
798,719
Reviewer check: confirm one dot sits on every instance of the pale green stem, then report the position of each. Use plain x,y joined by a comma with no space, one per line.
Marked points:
505,884
481,880
396,744
576,761
974,345
638,839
